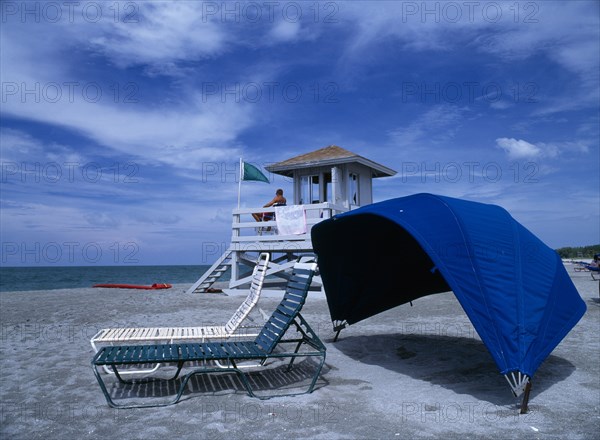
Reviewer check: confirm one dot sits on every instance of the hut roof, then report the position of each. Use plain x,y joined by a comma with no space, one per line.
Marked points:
331,155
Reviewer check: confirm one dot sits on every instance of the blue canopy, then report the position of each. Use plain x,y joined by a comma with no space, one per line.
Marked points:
514,288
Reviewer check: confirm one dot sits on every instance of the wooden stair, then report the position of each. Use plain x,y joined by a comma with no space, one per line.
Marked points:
212,275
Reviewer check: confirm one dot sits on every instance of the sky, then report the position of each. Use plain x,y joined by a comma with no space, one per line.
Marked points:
122,123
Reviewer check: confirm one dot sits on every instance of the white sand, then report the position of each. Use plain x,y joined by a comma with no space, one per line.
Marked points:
411,372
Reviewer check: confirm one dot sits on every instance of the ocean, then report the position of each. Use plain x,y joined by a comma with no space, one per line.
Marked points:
18,279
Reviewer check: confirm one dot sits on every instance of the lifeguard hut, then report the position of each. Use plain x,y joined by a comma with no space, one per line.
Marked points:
326,182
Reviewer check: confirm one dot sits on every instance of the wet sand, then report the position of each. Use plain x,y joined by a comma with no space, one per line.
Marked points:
411,372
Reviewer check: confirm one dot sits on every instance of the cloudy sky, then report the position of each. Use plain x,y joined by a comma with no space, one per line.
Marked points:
123,123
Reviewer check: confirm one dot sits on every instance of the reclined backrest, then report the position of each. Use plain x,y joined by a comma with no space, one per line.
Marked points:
258,278
289,307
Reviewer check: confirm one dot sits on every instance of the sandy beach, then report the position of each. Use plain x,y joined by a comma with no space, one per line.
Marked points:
411,372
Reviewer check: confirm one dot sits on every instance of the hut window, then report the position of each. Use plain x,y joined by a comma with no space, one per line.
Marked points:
328,188
310,189
354,190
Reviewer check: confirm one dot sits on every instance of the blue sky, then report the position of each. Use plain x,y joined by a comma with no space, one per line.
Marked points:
123,123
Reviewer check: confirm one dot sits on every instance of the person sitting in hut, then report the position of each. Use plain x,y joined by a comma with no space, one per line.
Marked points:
278,200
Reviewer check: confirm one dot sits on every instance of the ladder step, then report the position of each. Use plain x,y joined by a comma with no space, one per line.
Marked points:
213,274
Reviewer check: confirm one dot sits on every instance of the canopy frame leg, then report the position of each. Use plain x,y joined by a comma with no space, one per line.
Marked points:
338,326
525,401
518,382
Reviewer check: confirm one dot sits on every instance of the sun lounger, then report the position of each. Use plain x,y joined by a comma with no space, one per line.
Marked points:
182,334
260,349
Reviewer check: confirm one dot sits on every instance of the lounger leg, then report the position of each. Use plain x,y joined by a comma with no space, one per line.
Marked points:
126,372
112,404
244,379
294,357
103,388
226,367
188,376
312,383
247,384
148,379
317,374
251,393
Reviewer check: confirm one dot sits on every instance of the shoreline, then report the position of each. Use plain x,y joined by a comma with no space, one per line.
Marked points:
148,280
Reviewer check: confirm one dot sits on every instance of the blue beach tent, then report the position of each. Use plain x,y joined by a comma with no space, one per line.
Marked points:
514,288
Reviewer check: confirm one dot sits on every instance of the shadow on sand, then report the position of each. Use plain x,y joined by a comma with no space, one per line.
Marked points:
264,381
460,364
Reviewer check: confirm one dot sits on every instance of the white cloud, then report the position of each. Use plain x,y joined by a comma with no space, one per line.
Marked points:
18,146
192,130
285,31
518,149
506,29
501,105
183,136
556,148
564,32
374,22
438,124
163,33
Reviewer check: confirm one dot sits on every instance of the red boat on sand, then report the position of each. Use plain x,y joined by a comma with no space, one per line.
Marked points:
155,286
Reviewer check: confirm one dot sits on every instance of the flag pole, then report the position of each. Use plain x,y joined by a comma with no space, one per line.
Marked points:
240,181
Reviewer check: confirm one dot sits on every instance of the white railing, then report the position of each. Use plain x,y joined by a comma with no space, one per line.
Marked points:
246,229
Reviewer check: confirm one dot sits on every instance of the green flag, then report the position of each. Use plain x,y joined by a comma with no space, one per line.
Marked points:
253,173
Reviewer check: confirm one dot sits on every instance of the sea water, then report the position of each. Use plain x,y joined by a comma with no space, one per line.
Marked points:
14,279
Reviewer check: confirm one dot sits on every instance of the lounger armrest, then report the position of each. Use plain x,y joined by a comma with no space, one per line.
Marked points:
310,266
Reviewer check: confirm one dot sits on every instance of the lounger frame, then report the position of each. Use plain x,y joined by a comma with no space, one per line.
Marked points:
171,335
260,349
